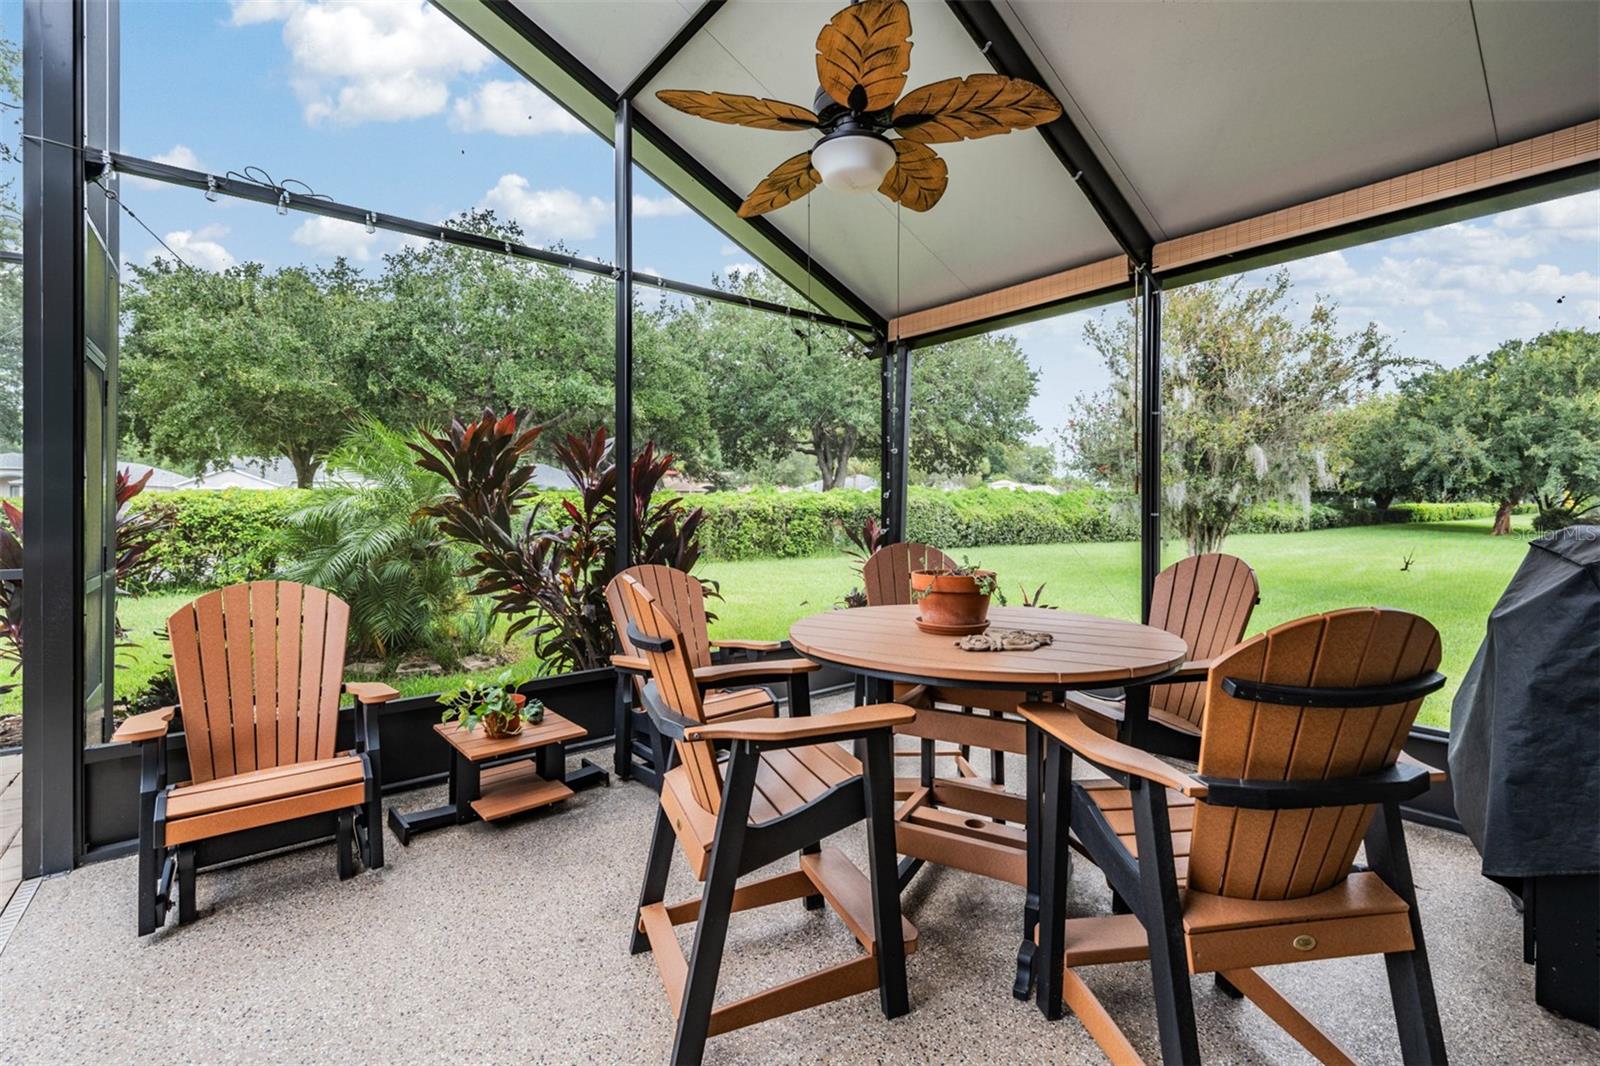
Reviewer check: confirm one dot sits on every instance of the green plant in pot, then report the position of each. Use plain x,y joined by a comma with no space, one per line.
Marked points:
496,705
954,600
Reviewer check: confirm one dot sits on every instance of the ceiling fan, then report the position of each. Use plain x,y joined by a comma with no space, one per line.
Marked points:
872,136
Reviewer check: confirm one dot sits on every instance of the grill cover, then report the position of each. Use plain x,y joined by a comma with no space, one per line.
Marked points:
1525,726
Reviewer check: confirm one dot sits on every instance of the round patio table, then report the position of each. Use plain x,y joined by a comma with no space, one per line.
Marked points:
884,646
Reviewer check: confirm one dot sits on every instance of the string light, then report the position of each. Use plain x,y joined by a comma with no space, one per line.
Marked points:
211,188
372,222
283,202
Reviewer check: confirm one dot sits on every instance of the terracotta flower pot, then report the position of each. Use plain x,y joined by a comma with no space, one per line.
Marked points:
950,603
497,726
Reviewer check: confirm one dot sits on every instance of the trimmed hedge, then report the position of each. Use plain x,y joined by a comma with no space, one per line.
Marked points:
220,538
236,535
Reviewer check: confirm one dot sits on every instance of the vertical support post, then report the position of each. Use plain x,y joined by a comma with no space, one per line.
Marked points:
886,437
900,447
53,470
623,374
1148,294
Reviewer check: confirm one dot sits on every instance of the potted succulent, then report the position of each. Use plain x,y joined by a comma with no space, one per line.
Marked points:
497,705
954,600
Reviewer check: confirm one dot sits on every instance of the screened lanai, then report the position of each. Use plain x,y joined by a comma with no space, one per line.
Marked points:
1182,143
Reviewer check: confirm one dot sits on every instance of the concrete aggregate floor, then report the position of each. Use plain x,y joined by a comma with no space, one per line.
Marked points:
507,943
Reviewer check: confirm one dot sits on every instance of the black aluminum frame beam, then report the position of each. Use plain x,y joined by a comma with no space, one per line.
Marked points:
260,193
622,375
597,87
1148,293
1006,54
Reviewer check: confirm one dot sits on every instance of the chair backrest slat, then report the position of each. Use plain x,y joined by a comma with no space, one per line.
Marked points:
673,673
1206,600
677,592
1287,854
259,670
887,572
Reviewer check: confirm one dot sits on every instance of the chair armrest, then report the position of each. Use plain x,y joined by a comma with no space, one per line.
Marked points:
717,676
151,725
1067,726
631,664
1435,775
818,728
749,645
1193,670
371,692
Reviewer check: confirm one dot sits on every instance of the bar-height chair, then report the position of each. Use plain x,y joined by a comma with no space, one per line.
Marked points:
732,689
1207,600
1248,861
260,673
787,784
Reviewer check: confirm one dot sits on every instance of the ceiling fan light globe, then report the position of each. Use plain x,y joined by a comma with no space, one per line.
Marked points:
853,162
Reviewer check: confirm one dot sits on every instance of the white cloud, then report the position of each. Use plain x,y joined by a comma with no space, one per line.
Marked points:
181,155
658,206
335,236
512,109
199,248
546,214
741,268
365,62
731,249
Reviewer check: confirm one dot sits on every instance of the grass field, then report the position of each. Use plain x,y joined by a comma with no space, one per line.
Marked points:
1457,573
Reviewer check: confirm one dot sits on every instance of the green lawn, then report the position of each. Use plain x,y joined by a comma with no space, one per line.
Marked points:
1457,573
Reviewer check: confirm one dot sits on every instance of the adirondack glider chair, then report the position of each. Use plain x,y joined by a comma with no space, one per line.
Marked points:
260,674
787,784
887,577
1207,600
1247,862
731,689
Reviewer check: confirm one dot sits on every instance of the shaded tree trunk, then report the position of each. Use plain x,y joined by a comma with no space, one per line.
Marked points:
832,451
1382,500
1502,518
306,464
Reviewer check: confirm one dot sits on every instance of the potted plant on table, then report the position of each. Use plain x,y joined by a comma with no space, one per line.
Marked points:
497,705
954,600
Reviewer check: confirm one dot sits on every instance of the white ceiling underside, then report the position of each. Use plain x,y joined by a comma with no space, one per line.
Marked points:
1202,112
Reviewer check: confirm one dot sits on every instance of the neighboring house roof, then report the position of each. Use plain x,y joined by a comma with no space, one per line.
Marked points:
854,481
1023,486
546,476
160,480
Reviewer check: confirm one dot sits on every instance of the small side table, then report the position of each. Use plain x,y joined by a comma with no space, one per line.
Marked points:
493,779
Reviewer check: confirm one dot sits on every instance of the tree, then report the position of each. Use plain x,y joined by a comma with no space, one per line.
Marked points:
1373,452
245,362
778,385
1246,393
462,330
969,398
1520,423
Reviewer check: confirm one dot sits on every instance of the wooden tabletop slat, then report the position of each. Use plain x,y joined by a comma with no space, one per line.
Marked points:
478,747
1087,649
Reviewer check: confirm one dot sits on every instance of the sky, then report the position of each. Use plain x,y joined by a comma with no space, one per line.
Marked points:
393,107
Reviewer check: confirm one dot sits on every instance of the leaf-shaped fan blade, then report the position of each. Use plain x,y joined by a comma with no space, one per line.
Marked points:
864,52
979,105
918,177
736,110
789,180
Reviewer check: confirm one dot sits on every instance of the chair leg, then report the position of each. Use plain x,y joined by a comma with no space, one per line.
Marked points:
188,911
878,783
813,902
622,751
716,904
1227,987
346,839
1054,870
370,822
1416,1010
656,868
1162,917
